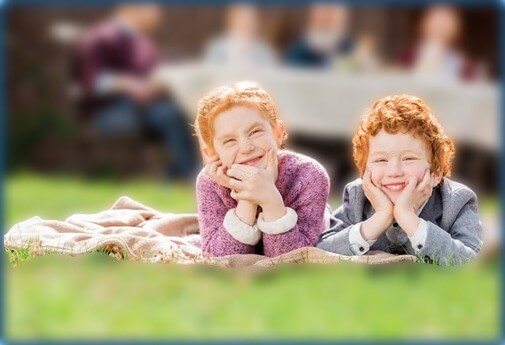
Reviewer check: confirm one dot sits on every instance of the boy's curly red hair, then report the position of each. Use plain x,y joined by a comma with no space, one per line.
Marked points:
405,114
245,93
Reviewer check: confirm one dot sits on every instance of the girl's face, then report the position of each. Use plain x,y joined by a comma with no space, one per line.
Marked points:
243,136
393,158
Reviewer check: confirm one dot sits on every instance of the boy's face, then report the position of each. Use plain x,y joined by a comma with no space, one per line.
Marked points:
393,158
243,136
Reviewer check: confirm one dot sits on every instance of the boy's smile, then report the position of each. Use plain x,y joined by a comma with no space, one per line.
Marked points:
393,158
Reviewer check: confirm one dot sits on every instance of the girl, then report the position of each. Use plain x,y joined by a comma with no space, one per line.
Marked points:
253,198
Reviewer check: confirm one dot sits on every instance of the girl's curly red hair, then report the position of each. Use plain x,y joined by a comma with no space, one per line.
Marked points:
405,114
245,93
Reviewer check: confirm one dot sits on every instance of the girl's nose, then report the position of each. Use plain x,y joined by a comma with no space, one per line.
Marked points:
246,145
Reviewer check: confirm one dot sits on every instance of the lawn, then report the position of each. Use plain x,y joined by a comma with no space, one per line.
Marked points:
95,296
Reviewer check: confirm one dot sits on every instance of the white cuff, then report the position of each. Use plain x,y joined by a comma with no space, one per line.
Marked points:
279,226
104,83
358,244
239,230
419,239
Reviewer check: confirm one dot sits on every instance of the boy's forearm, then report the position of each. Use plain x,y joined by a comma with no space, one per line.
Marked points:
374,226
246,211
408,221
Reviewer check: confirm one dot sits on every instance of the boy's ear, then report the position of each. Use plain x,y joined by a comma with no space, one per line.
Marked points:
437,177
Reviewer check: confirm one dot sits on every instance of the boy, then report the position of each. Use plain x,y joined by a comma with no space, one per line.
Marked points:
405,203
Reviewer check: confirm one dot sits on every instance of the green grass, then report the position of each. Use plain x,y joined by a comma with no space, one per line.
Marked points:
95,296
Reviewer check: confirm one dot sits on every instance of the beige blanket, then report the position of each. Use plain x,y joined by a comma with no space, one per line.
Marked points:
137,232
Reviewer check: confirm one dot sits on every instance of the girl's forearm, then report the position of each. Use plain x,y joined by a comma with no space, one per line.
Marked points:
274,208
246,211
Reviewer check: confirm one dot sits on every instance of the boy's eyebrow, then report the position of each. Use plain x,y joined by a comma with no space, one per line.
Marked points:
374,153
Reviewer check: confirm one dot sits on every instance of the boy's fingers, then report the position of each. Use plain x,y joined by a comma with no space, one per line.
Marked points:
426,181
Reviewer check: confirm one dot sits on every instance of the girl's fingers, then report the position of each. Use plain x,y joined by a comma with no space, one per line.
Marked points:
241,172
235,184
238,195
271,162
210,159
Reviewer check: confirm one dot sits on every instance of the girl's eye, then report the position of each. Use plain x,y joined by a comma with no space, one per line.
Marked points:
380,160
256,131
409,158
228,141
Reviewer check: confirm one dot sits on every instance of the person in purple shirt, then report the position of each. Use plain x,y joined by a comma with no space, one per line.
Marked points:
114,61
252,196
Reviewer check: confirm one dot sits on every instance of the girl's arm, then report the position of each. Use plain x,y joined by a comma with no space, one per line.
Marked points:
222,231
303,221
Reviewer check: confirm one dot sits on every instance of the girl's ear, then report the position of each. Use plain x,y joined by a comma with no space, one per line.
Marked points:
280,132
207,154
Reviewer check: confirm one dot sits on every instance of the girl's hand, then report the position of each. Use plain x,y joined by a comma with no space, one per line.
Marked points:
215,169
253,184
379,200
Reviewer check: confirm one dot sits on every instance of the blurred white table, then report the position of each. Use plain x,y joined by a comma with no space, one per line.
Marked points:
329,105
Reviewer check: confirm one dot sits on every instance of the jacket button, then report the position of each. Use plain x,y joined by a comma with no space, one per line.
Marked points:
395,224
419,246
361,249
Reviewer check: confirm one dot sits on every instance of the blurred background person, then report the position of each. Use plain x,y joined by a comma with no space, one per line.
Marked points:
437,52
242,43
326,38
114,60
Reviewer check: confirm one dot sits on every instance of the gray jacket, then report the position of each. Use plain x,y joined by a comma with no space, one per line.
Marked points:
454,233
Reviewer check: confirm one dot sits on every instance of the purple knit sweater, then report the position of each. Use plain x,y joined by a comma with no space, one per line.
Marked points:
304,186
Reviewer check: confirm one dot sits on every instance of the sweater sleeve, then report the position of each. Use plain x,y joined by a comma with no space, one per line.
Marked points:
216,240
309,205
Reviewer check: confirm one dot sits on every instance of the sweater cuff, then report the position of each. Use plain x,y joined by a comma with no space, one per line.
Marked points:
239,230
419,239
358,244
279,226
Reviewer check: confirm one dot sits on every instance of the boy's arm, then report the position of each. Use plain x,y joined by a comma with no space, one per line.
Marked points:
457,245
345,236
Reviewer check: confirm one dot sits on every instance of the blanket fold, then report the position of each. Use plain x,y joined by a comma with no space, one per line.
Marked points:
134,231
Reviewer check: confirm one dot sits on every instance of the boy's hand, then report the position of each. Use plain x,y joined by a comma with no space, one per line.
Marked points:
379,200
215,169
410,200
414,195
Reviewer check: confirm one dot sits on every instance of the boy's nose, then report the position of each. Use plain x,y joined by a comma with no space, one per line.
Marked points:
394,169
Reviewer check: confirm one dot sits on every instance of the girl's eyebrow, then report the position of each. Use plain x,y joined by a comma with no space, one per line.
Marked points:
254,125
227,135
